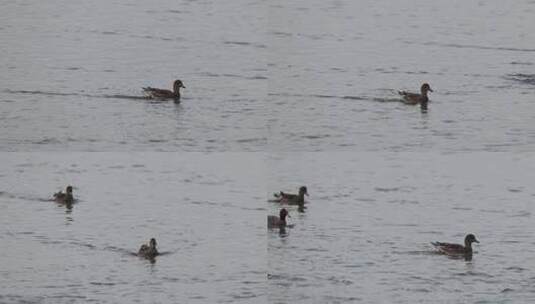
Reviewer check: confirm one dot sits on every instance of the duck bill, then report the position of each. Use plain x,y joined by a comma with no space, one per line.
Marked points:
476,241
430,90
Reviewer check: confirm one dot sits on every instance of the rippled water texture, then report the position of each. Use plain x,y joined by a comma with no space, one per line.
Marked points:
279,94
335,66
277,75
365,235
206,211
73,72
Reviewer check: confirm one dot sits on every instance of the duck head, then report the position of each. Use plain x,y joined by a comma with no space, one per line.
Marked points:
152,243
283,214
303,191
425,88
68,190
177,85
469,239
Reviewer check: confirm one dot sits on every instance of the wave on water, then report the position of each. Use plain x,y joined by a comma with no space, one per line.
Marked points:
521,63
114,96
24,197
127,252
215,75
522,78
12,298
119,96
346,97
473,46
244,43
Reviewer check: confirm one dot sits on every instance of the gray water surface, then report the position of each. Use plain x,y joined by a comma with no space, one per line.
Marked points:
365,234
277,75
335,67
279,94
73,72
206,213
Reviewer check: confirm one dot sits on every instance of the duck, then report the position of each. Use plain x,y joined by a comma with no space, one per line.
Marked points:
64,197
457,249
415,98
154,93
292,199
148,251
274,221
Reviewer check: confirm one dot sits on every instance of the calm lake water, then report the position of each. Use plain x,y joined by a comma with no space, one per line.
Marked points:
365,236
277,75
73,72
278,94
207,213
335,66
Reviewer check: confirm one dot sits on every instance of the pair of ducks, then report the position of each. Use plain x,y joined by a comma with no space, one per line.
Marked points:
146,251
408,98
290,199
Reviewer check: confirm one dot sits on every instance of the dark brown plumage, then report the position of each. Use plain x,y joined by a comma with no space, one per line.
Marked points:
148,251
64,197
292,199
455,249
415,98
165,94
274,221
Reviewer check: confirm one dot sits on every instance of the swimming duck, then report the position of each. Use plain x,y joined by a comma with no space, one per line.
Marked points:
414,98
148,251
274,221
454,249
64,198
293,199
165,94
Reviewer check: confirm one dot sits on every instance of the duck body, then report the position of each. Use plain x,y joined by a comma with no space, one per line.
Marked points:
292,199
415,98
148,251
64,197
155,93
456,249
274,221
